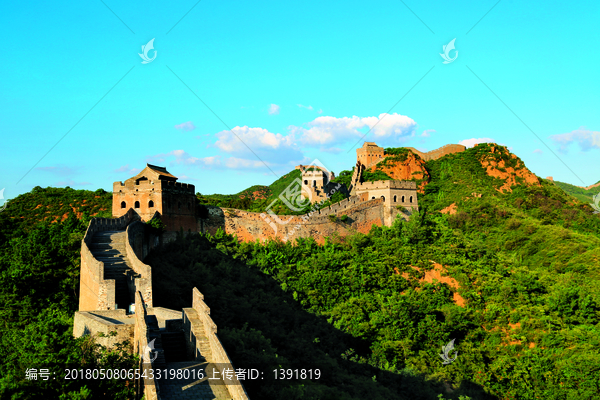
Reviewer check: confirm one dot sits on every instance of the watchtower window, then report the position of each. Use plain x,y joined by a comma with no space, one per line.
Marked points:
137,204
410,199
373,198
305,182
395,199
403,199
383,197
150,204
123,204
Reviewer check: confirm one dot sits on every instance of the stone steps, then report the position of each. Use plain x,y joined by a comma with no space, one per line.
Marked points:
109,248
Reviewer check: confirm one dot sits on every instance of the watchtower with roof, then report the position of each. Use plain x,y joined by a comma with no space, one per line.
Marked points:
153,190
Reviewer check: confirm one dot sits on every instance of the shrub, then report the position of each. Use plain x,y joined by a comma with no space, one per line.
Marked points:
332,217
344,218
157,224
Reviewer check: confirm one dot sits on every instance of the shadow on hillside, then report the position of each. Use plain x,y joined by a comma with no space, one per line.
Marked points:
263,327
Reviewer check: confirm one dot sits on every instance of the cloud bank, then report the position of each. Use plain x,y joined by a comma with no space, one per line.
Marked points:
585,138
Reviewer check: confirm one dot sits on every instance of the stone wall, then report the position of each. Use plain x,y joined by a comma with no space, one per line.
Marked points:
369,153
175,201
208,331
95,292
140,341
92,323
250,226
138,243
439,152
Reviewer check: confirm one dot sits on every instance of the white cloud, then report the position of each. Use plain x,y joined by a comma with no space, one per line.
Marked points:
427,132
332,150
178,157
472,142
538,151
331,130
273,109
248,143
186,126
586,139
126,168
309,107
187,178
245,147
242,163
60,170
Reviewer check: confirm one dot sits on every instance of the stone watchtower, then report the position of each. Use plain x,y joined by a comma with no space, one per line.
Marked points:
369,153
156,190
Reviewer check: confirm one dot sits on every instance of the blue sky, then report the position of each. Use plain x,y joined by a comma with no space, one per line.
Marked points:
294,82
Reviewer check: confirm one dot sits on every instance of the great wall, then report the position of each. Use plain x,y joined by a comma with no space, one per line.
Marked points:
116,285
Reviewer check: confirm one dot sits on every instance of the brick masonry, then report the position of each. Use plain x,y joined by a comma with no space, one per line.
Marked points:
155,190
250,226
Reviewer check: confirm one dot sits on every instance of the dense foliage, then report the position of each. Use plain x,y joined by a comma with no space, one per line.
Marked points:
39,281
526,265
55,204
525,310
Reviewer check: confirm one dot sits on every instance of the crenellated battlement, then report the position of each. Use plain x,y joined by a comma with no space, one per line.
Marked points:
410,185
148,185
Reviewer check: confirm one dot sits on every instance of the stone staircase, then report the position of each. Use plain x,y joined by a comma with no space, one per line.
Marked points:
109,248
356,177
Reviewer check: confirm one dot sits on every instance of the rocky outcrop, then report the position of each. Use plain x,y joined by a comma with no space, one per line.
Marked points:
500,163
403,168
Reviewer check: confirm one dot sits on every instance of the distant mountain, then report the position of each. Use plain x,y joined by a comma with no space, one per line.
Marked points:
580,193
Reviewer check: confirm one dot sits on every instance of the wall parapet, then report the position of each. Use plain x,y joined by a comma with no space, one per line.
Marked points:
391,184
140,344
143,284
155,185
96,292
219,355
108,224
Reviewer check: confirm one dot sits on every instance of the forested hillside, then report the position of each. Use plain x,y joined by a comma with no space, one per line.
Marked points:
258,198
499,260
505,263
40,242
582,194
